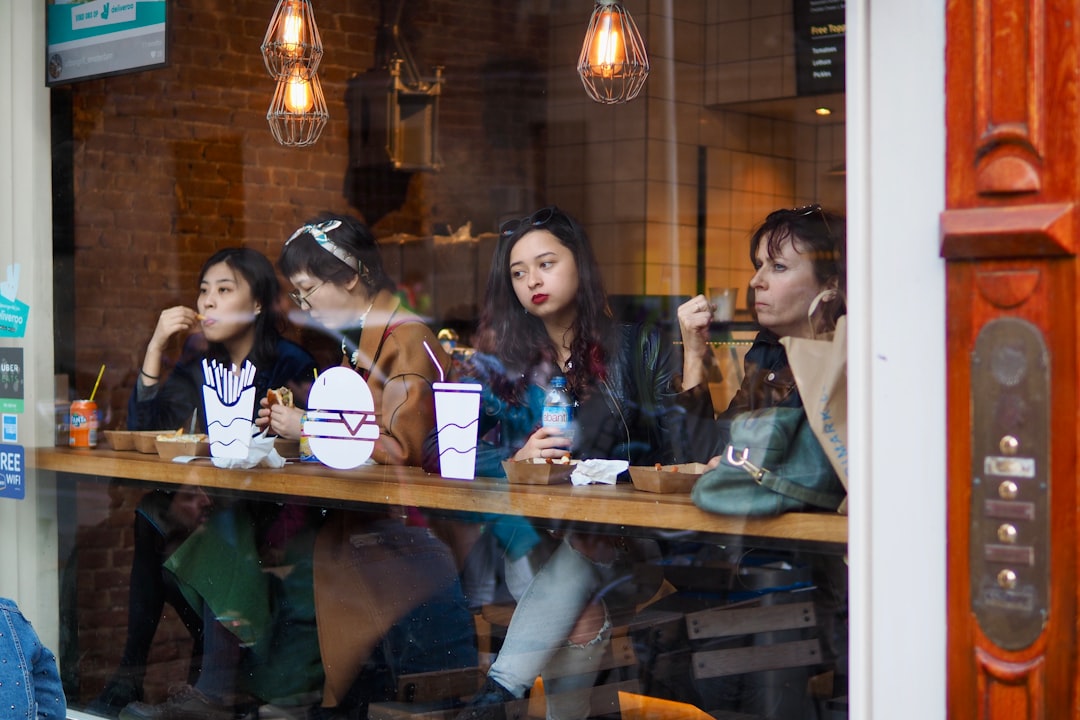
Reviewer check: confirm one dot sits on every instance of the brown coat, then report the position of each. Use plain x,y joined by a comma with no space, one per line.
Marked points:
399,373
360,589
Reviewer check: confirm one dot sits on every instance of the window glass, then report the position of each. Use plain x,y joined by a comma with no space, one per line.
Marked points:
476,291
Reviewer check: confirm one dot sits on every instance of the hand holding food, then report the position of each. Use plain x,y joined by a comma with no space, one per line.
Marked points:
280,413
170,322
694,317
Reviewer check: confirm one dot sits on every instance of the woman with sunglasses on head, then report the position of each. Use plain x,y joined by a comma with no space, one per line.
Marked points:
799,259
800,275
546,314
236,312
334,265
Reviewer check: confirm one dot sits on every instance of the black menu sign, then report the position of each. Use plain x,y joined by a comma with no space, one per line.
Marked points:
819,46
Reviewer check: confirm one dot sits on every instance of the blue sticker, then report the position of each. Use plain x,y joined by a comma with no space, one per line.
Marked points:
12,472
11,428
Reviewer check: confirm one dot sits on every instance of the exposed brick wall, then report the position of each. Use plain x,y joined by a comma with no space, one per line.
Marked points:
172,164
175,163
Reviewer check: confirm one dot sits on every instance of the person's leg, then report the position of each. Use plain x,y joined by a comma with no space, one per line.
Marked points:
148,591
214,695
571,673
544,618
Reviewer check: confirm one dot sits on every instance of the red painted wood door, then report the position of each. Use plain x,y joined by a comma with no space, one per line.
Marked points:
1009,239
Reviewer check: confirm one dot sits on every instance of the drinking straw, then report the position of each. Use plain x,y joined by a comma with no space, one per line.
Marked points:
100,373
438,366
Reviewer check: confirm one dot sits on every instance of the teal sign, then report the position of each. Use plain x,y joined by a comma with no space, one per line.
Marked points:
103,37
13,316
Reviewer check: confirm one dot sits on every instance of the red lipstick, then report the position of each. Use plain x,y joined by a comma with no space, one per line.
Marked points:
539,299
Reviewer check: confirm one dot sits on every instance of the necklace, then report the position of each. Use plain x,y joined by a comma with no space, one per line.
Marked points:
355,357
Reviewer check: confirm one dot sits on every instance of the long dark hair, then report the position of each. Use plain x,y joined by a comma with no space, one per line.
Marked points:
518,339
821,235
259,274
304,254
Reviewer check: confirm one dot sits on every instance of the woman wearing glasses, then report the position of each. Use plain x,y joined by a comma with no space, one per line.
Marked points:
334,266
798,291
546,314
237,318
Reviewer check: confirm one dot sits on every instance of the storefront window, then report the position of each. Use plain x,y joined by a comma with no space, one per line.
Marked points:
468,227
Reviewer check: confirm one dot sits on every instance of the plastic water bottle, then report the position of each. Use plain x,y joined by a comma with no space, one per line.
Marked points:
559,409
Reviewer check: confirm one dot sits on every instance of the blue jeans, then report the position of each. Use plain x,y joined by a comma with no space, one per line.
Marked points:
537,639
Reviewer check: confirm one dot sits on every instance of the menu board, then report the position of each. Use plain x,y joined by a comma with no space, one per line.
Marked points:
90,38
819,46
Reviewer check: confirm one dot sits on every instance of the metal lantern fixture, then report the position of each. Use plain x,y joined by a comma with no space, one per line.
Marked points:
292,38
298,112
292,50
613,65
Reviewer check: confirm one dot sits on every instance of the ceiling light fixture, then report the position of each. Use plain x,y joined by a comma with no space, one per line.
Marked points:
823,111
292,38
292,50
613,64
298,112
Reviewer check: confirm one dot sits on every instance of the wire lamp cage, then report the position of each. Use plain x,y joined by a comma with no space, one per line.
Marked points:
613,64
292,50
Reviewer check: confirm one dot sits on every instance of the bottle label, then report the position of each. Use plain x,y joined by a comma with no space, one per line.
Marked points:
557,417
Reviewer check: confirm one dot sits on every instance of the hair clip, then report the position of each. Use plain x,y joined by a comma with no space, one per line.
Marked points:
318,232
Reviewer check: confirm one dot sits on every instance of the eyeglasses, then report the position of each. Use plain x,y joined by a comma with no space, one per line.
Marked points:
538,219
302,300
318,232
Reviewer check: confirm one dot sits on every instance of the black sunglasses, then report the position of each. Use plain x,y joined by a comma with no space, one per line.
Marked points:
805,211
538,219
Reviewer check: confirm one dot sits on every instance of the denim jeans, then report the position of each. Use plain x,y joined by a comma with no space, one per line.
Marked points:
537,639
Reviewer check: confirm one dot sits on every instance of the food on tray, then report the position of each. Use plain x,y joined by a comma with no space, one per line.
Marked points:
279,396
180,436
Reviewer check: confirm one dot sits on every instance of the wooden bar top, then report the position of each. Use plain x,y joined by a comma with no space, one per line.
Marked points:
618,505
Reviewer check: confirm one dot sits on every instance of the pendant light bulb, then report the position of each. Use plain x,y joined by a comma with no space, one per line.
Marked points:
292,38
298,95
613,64
297,113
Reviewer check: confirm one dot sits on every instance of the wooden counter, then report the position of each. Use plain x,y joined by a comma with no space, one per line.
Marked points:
619,505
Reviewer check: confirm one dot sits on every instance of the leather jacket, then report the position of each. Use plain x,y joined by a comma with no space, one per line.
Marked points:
630,414
767,382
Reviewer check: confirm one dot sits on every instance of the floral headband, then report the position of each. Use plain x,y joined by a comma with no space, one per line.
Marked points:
319,232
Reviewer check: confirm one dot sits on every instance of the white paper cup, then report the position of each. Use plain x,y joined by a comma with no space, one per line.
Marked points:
723,302
457,414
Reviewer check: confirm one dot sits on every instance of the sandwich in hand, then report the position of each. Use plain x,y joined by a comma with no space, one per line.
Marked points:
279,396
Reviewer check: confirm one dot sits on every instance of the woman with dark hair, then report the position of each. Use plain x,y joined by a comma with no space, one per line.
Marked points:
546,314
333,263
798,289
236,311
374,625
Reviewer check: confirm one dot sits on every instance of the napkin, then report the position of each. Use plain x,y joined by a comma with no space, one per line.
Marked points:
602,472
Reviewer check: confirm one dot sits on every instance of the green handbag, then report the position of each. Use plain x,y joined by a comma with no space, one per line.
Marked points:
773,464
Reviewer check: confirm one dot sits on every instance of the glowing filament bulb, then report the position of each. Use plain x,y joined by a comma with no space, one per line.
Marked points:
298,96
608,49
292,29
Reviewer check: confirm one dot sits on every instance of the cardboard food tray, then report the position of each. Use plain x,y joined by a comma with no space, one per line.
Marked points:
146,441
120,439
669,479
169,449
530,472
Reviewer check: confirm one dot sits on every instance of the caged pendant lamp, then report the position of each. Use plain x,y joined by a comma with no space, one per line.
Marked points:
292,38
297,112
613,65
